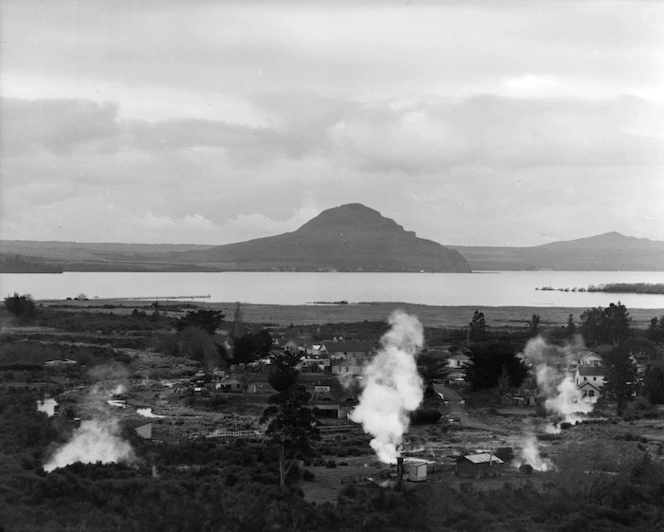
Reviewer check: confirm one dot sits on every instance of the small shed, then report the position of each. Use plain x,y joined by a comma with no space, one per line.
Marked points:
414,470
479,466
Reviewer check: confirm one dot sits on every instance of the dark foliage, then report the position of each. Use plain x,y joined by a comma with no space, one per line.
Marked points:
653,384
425,416
251,346
488,362
22,307
621,377
477,326
608,325
208,320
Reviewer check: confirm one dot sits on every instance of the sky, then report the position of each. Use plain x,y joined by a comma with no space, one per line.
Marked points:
210,122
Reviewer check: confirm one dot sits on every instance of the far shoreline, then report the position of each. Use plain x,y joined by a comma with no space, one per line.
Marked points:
429,315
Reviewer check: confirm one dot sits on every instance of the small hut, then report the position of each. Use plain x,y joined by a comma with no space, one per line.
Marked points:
479,466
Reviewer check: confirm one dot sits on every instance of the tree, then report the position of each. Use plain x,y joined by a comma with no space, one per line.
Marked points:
478,326
610,325
653,384
285,373
292,427
237,329
571,326
656,330
621,377
251,346
23,307
208,320
534,325
487,364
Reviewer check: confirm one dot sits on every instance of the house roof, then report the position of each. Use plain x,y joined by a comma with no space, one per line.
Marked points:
588,354
483,458
133,424
344,347
586,384
459,356
590,371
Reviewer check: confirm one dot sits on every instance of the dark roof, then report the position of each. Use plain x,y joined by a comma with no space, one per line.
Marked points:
590,371
344,347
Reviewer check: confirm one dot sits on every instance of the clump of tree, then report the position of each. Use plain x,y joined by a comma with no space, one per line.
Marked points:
570,328
22,307
495,365
655,331
621,377
251,346
610,325
207,320
291,428
477,327
534,325
285,372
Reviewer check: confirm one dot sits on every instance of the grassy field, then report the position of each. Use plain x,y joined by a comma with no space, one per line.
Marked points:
430,316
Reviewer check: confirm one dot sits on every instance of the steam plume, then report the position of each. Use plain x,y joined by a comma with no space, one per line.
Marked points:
98,438
530,455
554,380
147,412
392,387
94,441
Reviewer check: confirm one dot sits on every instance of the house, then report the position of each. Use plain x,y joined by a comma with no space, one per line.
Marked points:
348,350
456,377
479,466
589,359
595,375
457,361
230,385
589,392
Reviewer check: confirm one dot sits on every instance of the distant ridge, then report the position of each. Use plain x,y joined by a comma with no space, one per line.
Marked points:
350,237
606,252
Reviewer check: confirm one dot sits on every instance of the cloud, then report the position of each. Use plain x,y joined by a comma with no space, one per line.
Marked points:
207,181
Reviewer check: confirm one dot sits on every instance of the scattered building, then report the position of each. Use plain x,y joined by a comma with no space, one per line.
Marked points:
479,466
457,361
594,375
590,392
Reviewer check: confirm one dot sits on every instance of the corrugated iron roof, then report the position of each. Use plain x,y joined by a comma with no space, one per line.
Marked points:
482,458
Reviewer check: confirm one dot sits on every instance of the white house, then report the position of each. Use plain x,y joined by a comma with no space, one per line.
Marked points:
589,374
457,361
589,359
590,392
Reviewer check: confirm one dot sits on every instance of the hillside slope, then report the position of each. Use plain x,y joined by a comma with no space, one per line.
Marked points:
346,238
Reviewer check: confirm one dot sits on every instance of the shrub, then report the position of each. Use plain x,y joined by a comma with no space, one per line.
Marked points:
23,307
331,464
308,476
526,469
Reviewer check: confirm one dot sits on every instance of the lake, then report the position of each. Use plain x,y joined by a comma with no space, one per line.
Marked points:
447,289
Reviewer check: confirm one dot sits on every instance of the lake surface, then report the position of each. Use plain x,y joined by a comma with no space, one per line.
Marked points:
450,289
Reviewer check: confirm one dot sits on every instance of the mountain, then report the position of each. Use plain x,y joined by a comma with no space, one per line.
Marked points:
606,252
346,238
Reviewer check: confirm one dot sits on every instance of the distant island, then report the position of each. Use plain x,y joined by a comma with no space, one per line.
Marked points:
614,288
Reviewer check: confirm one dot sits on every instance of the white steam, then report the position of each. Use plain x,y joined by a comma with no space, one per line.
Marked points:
392,387
147,412
98,438
94,441
530,455
47,406
555,380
